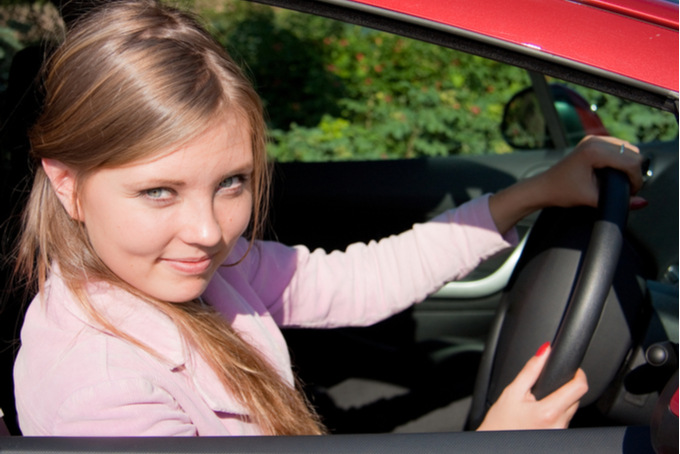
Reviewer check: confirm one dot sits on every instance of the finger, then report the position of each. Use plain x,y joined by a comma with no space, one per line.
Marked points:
560,419
633,168
615,142
527,377
637,203
563,419
571,411
620,155
569,394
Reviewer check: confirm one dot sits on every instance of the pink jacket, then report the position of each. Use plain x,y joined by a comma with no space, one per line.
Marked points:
72,378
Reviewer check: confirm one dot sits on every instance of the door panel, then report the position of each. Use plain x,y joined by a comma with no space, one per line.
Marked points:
331,205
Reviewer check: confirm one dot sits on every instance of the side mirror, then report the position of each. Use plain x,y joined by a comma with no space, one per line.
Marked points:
524,125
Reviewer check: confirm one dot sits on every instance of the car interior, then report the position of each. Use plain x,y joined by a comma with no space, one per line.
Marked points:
602,284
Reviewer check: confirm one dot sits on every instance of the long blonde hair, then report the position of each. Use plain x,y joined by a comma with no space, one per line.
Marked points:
131,79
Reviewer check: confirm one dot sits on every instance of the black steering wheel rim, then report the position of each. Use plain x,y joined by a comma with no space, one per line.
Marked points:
572,320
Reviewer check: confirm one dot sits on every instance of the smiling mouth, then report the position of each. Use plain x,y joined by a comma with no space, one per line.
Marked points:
190,266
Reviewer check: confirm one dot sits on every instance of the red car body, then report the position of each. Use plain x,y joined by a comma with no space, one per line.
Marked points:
569,31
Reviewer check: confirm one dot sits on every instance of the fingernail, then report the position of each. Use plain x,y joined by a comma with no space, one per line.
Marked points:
542,349
637,203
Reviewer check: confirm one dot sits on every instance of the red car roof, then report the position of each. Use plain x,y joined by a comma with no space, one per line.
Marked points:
636,39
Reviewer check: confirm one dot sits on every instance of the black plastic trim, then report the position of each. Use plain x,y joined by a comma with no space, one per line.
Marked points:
609,439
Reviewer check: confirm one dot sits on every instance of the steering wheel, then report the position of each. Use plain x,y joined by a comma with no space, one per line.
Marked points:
561,291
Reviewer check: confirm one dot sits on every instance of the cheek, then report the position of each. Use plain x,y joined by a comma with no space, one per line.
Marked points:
119,233
234,217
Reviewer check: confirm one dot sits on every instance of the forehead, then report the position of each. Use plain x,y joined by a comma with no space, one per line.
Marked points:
224,139
223,149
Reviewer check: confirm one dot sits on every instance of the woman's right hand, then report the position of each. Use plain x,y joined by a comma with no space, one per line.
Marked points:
518,409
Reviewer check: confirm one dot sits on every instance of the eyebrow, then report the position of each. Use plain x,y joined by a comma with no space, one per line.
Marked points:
168,182
164,182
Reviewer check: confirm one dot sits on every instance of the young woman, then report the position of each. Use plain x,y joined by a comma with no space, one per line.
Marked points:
155,315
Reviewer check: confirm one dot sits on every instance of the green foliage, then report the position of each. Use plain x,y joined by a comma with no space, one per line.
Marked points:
9,45
336,91
288,71
22,24
633,122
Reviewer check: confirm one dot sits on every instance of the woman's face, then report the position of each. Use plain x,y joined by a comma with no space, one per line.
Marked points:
164,225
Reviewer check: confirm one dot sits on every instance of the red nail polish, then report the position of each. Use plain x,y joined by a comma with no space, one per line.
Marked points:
541,350
638,203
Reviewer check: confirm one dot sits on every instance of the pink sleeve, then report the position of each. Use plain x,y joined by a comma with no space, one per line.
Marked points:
120,408
369,282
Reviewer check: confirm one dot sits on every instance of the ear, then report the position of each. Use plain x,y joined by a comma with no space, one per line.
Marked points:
63,180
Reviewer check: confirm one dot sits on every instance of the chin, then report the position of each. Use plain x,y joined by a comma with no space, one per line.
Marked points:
183,297
180,294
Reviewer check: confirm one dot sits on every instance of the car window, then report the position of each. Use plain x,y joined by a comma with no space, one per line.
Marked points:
335,91
628,120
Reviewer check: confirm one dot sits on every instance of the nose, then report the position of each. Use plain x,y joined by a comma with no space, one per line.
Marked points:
200,225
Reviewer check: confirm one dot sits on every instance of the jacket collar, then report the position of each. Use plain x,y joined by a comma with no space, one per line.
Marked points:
124,311
152,328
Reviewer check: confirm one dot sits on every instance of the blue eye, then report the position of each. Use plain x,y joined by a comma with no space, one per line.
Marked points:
233,182
157,193
229,182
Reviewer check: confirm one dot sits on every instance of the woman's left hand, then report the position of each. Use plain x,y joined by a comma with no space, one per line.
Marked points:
570,182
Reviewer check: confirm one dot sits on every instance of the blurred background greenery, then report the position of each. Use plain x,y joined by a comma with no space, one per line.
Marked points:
335,91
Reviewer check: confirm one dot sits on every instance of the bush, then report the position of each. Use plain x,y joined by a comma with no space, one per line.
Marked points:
336,91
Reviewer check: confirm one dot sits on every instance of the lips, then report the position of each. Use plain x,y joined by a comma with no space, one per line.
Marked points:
190,266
